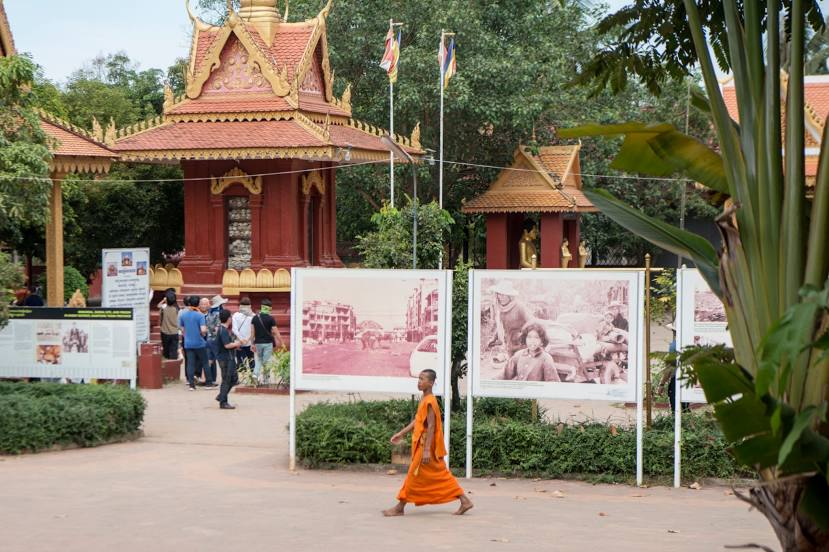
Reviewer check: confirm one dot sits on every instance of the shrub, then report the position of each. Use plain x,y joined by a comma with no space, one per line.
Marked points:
37,416
508,441
72,280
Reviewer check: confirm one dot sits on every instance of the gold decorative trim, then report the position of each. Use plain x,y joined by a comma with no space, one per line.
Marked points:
314,179
312,127
73,164
143,126
323,153
318,38
264,281
163,278
243,116
414,139
236,176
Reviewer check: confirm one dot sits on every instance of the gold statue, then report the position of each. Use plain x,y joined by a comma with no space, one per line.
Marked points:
565,254
77,300
527,252
584,254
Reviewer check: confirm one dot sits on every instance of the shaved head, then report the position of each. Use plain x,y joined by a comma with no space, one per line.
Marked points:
431,374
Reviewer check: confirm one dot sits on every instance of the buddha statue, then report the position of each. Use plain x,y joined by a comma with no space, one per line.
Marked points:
584,254
565,254
527,252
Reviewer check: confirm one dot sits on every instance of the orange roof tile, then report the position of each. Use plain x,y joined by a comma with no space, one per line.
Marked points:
232,103
290,44
71,143
316,104
343,136
220,135
529,202
205,40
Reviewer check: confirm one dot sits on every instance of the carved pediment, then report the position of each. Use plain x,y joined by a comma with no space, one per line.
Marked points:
236,176
314,179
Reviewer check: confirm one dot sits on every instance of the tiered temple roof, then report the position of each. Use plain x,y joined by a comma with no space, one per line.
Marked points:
258,87
549,182
816,95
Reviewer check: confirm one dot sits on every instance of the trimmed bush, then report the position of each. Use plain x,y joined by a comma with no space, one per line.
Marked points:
37,416
72,280
507,441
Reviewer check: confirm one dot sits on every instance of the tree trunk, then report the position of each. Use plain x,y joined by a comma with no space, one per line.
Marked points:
778,501
456,391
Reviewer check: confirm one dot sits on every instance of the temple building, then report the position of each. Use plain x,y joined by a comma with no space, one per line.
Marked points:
547,182
259,135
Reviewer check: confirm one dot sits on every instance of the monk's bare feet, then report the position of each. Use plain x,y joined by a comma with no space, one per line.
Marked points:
466,505
397,510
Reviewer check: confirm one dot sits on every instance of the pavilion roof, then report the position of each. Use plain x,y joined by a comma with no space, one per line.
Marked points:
547,182
257,87
74,149
6,38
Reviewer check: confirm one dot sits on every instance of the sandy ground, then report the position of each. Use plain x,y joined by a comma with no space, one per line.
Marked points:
203,479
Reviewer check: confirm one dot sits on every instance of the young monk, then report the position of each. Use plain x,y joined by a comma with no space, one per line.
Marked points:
428,480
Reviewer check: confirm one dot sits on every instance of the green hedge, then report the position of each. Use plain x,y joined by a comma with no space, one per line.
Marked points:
508,441
37,416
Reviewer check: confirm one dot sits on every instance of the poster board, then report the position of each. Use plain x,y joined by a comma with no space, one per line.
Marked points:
68,343
700,321
126,285
592,321
369,330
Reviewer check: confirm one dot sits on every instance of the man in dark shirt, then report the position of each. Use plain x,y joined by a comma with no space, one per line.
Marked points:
265,332
619,321
225,342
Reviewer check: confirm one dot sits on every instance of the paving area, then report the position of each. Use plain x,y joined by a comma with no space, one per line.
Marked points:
203,479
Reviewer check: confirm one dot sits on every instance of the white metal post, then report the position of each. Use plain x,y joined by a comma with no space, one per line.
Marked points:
447,363
442,50
643,363
469,352
292,401
677,386
391,133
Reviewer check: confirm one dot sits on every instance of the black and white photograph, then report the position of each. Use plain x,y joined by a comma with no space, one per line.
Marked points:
558,328
368,327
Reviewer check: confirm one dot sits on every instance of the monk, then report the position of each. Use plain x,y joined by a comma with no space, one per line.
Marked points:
428,480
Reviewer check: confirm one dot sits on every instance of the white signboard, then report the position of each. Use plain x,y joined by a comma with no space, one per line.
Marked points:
701,320
126,284
369,330
568,334
69,343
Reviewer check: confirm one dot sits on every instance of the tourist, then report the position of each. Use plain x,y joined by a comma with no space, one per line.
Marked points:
226,341
242,323
532,363
34,299
265,333
168,318
428,480
210,372
194,327
213,322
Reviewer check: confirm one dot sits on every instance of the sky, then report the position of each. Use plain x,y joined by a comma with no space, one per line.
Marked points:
63,35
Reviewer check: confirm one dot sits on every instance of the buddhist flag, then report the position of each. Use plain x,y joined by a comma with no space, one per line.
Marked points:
448,63
391,55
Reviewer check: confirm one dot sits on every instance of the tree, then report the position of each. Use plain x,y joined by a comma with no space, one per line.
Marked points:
460,328
390,244
771,401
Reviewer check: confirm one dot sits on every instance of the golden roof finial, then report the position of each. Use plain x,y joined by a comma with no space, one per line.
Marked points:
263,14
345,100
415,137
198,23
110,134
169,100
285,17
97,131
327,9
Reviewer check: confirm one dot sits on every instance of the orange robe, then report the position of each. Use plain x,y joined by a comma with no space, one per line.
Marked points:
429,483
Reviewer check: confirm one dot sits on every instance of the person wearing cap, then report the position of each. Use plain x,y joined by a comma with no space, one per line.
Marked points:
265,332
212,308
513,315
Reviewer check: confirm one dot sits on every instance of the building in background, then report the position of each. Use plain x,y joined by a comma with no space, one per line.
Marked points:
422,313
326,321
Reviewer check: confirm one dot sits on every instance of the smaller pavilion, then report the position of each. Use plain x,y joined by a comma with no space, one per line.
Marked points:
548,183
73,151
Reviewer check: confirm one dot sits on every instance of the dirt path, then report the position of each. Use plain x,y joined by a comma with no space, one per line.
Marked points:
204,479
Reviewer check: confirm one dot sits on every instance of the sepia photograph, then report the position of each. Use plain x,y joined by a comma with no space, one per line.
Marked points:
556,328
707,306
75,340
356,324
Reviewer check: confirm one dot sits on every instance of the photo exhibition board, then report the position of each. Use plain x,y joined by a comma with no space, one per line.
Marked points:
126,285
700,320
369,330
68,343
561,334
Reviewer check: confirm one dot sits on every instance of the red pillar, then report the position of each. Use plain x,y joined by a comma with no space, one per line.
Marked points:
573,240
552,234
256,238
497,252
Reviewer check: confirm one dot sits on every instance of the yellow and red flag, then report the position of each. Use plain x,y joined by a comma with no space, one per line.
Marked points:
391,57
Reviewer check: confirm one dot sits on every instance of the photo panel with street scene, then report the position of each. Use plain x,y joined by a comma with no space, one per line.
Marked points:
701,321
369,330
570,334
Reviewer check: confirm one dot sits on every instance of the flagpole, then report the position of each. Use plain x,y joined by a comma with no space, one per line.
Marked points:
391,123
443,52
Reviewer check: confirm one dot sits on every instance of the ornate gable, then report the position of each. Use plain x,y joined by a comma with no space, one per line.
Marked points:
236,72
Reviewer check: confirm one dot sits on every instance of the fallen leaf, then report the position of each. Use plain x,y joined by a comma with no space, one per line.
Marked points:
498,540
729,493
558,494
613,430
536,479
541,490
491,484
520,498
695,485
602,514
637,496
343,502
673,531
391,472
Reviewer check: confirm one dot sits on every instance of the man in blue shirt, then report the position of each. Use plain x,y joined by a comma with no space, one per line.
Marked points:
194,327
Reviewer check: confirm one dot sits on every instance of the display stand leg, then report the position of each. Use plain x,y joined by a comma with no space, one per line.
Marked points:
469,402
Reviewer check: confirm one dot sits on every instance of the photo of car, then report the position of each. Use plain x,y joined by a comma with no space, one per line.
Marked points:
425,356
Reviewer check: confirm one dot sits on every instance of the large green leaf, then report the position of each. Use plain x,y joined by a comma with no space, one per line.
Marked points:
680,242
758,451
743,418
692,158
721,380
815,501
801,423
